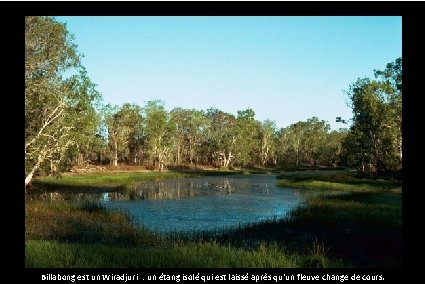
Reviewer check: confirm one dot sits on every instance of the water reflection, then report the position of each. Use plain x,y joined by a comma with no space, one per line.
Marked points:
196,204
170,189
209,203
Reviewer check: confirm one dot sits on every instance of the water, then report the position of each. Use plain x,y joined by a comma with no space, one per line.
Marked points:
200,204
207,203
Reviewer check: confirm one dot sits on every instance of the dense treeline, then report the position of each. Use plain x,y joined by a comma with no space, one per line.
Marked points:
153,137
65,123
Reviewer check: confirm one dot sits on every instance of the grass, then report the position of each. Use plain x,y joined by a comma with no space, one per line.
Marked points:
336,180
87,235
103,180
358,229
209,255
363,227
83,223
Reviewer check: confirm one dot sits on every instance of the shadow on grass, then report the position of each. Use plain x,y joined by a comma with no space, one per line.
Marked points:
87,223
361,228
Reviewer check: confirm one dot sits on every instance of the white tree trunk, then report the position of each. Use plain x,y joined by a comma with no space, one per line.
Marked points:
178,154
29,177
226,160
115,154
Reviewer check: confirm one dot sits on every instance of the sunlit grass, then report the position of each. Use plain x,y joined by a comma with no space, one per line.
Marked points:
102,180
329,180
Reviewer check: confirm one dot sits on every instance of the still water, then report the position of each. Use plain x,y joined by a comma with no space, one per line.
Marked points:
201,203
206,203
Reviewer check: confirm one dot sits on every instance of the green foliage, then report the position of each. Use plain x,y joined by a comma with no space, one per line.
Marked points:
60,99
265,141
374,142
246,137
309,143
125,132
159,131
191,127
221,141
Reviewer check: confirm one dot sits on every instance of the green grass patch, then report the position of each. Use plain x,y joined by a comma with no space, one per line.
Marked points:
335,180
315,184
50,254
104,180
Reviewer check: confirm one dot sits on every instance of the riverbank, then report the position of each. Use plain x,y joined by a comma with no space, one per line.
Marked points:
360,229
115,179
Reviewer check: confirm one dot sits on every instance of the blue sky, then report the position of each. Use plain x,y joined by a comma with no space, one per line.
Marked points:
286,69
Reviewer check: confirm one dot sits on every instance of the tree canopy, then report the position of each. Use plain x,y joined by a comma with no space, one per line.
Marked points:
375,137
59,97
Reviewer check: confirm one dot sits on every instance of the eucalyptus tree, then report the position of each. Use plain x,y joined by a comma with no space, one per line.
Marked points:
198,125
245,136
60,99
133,120
125,133
115,140
355,149
296,138
190,125
159,132
331,151
221,137
311,143
376,130
314,140
179,118
266,141
283,147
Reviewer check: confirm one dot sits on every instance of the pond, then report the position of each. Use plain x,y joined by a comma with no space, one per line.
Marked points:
197,204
